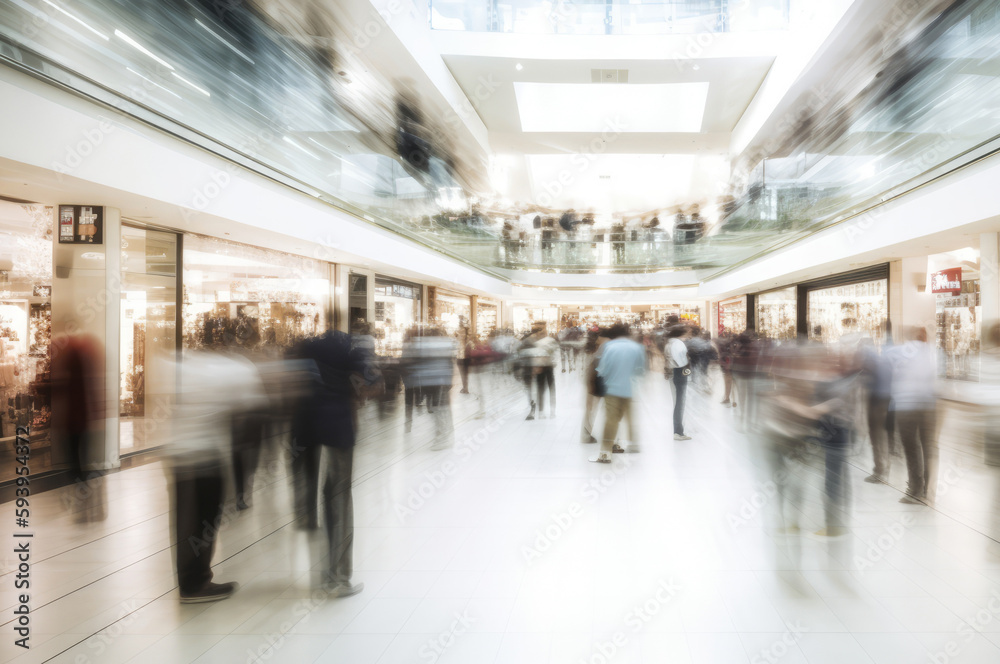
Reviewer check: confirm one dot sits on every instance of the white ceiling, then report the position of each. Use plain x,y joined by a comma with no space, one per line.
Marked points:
562,141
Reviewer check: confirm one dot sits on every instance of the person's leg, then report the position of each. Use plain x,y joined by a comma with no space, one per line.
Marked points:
589,414
727,385
613,411
877,411
339,504
540,384
409,401
835,505
927,429
906,422
528,378
550,378
680,387
463,371
633,432
198,507
238,432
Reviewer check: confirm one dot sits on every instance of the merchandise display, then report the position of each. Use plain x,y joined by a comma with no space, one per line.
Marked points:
776,314
859,308
487,318
25,317
732,317
958,319
452,311
237,295
397,309
525,316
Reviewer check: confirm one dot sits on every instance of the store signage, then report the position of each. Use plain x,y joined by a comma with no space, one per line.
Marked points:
947,281
81,224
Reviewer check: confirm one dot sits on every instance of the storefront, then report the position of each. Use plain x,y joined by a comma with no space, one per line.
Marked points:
855,303
487,317
451,311
397,309
732,316
236,295
25,328
958,314
687,313
775,314
525,316
600,315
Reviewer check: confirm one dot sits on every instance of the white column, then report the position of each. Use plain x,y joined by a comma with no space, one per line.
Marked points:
989,282
916,298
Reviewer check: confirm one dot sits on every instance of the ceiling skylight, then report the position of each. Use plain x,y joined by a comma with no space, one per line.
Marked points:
611,107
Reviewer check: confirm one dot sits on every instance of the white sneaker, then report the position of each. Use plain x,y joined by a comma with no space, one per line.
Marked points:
601,458
678,436
632,449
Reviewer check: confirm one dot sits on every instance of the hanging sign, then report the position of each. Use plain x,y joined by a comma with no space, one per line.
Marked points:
81,224
947,282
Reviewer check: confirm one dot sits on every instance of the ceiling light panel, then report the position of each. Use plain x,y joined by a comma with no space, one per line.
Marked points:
611,107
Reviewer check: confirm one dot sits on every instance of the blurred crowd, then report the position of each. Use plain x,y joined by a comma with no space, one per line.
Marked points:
800,405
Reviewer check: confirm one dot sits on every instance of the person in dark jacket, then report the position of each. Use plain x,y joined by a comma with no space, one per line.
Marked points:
326,420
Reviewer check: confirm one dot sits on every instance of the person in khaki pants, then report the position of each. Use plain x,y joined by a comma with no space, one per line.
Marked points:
621,360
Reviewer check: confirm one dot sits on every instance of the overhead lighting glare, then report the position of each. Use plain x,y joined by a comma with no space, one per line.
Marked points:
154,83
60,9
519,66
221,39
201,90
294,144
142,49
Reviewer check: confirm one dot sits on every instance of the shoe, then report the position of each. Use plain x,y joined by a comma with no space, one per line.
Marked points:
680,436
213,592
632,449
875,479
725,403
910,500
601,458
343,589
530,416
831,532
617,449
241,504
463,391
590,440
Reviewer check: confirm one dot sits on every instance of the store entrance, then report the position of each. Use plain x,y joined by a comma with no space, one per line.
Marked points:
148,333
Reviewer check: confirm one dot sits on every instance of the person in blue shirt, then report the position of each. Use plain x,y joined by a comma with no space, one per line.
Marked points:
622,360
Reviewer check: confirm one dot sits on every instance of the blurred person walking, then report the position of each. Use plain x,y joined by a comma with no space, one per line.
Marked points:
914,403
876,371
594,385
211,388
677,371
433,358
327,422
622,360
537,357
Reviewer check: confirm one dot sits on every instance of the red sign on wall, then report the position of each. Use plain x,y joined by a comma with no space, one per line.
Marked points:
947,282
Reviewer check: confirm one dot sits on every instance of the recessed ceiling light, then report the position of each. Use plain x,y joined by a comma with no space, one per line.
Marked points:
519,66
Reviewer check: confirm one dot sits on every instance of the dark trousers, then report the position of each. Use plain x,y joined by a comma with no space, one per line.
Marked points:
838,486
198,517
543,380
305,478
411,399
878,432
338,506
248,438
680,383
918,433
463,372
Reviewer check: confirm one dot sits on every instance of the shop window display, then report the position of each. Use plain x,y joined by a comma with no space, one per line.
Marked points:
689,315
859,308
777,314
958,318
524,317
236,295
25,324
732,317
397,309
451,311
487,318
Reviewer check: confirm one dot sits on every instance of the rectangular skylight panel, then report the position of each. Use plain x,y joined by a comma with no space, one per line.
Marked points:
611,107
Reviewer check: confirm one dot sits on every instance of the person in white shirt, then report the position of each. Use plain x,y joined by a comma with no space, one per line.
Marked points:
915,403
677,371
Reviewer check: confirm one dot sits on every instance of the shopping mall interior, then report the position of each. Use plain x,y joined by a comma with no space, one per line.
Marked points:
500,331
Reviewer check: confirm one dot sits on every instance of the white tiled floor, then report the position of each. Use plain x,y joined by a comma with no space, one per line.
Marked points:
511,547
